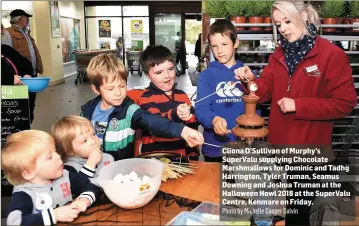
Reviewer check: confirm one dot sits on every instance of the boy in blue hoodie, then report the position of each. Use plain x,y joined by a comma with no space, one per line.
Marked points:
219,112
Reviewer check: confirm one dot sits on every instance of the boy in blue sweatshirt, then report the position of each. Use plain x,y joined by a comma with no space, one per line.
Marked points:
219,112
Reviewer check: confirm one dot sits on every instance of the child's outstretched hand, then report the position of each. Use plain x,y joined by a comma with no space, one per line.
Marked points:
94,158
192,137
66,213
184,112
81,204
220,126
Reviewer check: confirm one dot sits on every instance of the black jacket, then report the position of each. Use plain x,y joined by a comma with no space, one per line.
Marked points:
22,64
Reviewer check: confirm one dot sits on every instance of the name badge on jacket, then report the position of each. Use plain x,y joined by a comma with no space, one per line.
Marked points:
312,70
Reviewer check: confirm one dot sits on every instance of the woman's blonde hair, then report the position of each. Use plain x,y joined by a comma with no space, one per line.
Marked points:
21,151
292,10
66,130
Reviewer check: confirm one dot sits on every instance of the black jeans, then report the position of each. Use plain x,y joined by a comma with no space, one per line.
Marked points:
32,99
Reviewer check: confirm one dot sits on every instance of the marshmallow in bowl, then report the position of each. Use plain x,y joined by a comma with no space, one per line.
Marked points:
128,178
133,176
146,178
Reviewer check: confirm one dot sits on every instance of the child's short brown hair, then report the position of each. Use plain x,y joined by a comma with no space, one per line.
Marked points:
105,67
224,27
155,55
65,131
21,151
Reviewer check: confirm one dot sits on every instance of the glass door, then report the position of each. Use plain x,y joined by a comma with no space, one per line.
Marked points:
168,27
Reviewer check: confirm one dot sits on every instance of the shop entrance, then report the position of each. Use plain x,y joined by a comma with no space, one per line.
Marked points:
168,32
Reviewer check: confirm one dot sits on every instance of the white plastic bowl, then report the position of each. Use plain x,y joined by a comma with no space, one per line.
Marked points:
135,194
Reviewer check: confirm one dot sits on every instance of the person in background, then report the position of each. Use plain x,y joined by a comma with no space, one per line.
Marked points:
218,113
309,82
197,49
5,37
25,45
119,47
13,64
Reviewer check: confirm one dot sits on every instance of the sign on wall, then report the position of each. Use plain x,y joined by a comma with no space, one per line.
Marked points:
104,28
136,26
55,19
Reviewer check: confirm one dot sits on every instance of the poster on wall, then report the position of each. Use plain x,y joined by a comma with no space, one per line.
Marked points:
104,28
136,26
105,45
70,35
55,19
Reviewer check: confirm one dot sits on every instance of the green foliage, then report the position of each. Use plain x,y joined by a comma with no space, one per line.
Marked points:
193,29
347,9
216,9
254,8
267,8
332,9
235,8
354,13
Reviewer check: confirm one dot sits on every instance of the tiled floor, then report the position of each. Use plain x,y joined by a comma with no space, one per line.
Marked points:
67,98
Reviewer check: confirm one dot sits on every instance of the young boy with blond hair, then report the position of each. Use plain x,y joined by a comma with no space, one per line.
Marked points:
162,98
116,117
218,113
41,187
78,146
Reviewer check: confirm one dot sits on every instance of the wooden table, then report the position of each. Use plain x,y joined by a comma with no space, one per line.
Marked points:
158,212
203,185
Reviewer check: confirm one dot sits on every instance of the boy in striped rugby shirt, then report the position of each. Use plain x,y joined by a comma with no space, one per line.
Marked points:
162,98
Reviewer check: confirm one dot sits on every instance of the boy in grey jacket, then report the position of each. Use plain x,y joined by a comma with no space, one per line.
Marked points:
79,147
41,187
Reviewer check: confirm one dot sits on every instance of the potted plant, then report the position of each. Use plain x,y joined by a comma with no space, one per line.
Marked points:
331,10
354,15
266,13
253,11
216,9
235,10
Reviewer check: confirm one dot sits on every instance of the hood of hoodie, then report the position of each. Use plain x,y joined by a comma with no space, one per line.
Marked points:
216,64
